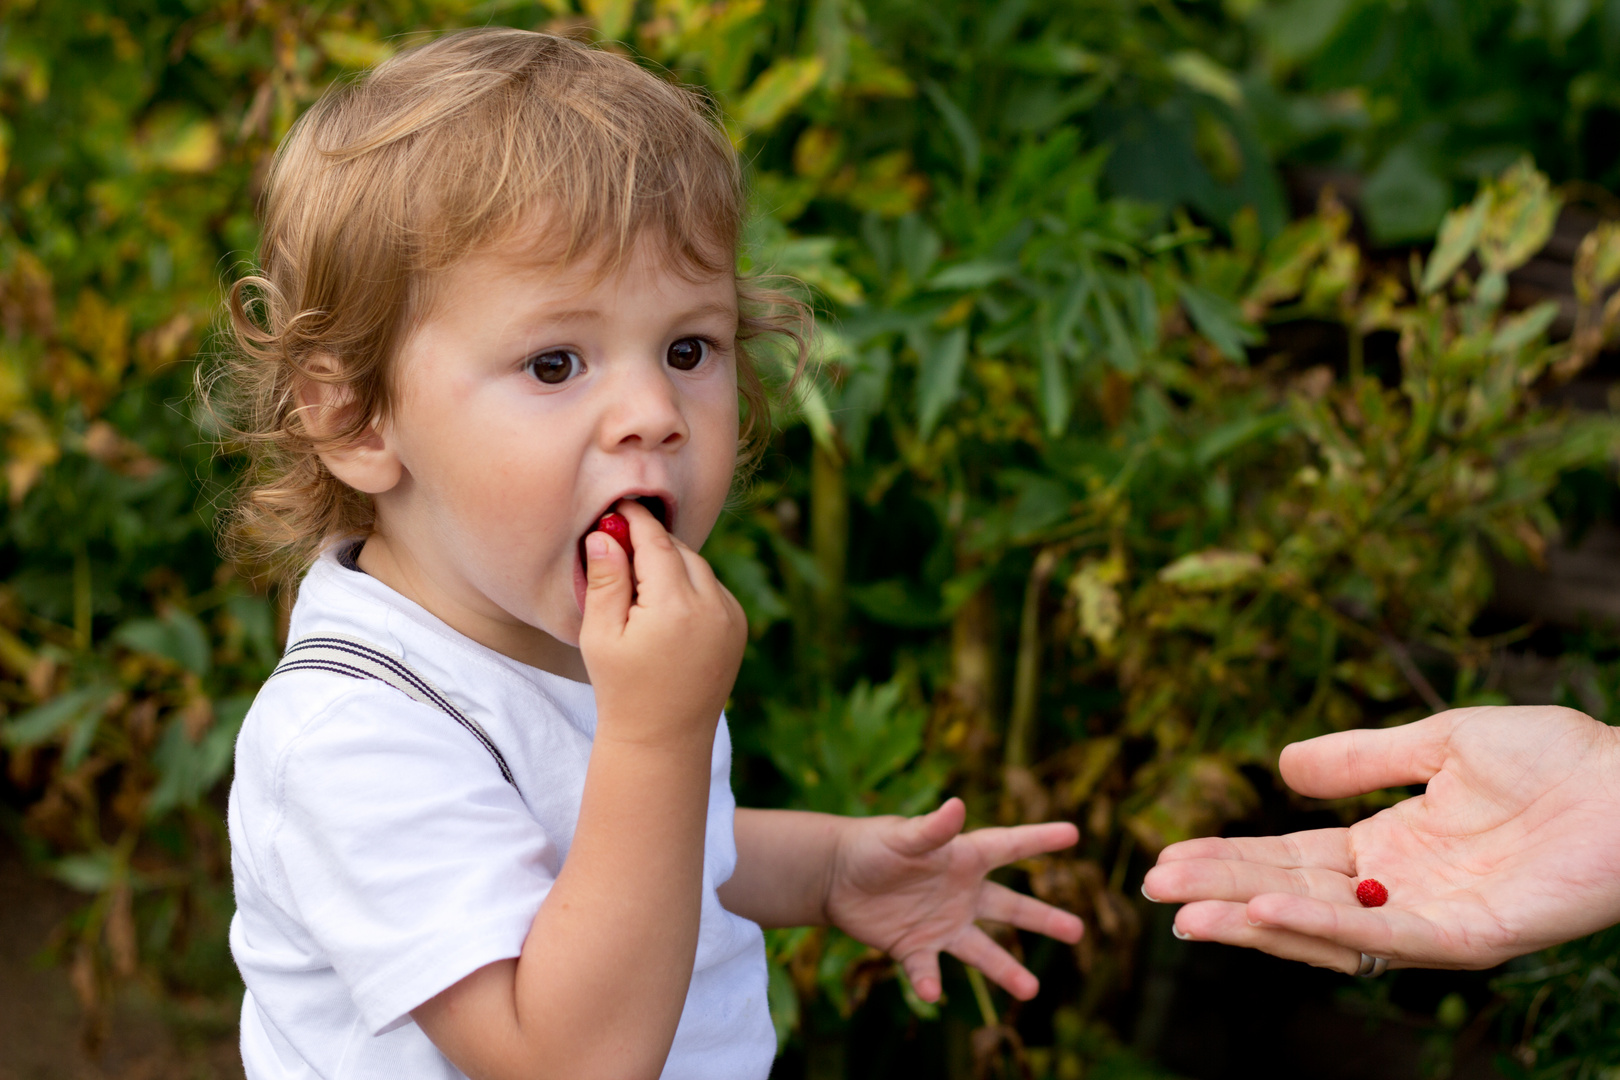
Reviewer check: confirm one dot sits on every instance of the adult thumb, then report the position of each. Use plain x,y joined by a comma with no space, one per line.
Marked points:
1347,763
608,584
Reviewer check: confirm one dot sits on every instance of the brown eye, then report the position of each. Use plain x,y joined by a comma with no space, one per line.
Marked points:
687,353
555,367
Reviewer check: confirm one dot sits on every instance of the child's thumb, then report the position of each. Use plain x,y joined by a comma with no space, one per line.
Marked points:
608,585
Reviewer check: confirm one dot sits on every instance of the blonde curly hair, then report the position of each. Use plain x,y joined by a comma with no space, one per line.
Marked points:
389,180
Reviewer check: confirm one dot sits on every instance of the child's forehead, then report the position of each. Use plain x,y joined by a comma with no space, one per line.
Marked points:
646,265
528,280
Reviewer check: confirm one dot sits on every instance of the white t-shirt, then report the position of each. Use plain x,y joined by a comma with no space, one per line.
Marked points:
380,857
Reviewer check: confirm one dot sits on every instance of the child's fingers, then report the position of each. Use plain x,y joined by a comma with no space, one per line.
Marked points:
1228,923
922,969
608,586
1186,880
1000,846
659,561
975,947
929,832
1001,904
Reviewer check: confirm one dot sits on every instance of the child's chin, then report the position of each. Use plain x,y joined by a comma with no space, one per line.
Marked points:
579,584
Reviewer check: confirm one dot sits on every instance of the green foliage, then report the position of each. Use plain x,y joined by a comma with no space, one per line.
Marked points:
1424,99
1053,525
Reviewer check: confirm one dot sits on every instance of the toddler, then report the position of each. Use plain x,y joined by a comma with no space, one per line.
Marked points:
481,822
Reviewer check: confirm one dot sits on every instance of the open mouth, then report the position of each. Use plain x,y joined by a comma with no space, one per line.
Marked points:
656,506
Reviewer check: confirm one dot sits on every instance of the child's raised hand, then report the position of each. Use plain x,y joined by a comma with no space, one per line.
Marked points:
661,637
915,887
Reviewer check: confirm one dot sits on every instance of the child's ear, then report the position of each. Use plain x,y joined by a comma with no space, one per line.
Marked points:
367,463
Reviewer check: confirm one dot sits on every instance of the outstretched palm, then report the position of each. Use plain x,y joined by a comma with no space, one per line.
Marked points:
915,887
1512,847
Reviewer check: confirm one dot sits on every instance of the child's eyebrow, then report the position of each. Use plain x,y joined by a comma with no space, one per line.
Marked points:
717,307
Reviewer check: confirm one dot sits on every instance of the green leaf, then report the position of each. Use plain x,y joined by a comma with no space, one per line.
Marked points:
777,90
960,127
1517,331
72,708
1056,400
750,583
973,274
1459,232
1404,198
89,873
784,1004
898,602
1220,320
939,381
176,636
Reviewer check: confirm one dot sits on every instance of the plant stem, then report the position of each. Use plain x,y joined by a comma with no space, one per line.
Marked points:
829,545
83,608
981,994
1020,745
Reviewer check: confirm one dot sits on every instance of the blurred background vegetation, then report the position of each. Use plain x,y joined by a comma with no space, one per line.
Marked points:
1196,377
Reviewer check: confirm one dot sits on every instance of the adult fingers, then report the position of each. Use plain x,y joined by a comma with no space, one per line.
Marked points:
929,832
608,586
1390,932
1000,846
1325,849
1228,923
1186,880
1001,904
1349,763
922,968
974,947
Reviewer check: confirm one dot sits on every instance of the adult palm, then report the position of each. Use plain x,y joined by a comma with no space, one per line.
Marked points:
1513,846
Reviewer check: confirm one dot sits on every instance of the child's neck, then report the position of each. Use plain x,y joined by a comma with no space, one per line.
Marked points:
518,640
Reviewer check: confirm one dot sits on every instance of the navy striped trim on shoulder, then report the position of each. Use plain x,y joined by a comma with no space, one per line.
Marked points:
342,655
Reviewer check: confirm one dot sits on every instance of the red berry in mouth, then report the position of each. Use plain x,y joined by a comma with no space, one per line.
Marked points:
617,527
1372,893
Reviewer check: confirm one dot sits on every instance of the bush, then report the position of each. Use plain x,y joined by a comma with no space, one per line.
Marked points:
1063,523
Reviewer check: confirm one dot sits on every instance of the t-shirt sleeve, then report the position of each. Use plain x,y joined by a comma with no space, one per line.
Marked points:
403,851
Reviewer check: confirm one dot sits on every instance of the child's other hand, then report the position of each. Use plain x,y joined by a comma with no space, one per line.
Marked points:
661,637
915,887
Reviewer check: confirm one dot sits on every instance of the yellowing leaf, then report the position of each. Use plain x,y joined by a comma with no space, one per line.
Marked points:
1094,588
352,50
777,90
1211,571
177,142
30,447
1520,220
1201,73
612,16
1597,263
1199,796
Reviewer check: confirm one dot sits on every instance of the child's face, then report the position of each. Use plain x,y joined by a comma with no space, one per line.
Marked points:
529,403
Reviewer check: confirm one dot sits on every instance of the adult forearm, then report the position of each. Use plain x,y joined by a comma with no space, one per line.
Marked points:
600,985
784,862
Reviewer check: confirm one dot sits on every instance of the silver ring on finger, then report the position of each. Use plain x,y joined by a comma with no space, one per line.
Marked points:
1372,966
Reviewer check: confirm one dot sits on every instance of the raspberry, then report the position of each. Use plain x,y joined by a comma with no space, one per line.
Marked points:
1371,893
617,527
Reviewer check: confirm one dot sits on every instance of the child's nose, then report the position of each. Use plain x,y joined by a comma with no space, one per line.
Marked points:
645,411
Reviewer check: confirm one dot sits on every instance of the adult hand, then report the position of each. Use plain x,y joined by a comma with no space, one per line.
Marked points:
915,887
1514,846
